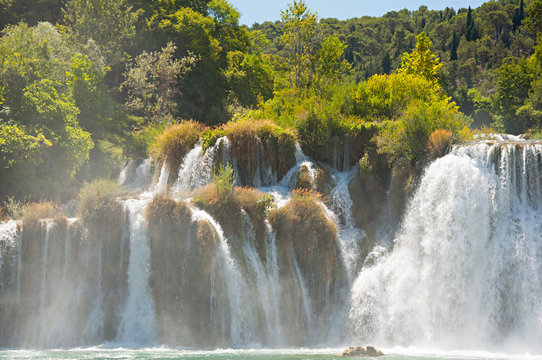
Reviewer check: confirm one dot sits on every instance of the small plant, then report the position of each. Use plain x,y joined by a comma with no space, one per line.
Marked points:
98,196
224,179
12,209
365,165
304,179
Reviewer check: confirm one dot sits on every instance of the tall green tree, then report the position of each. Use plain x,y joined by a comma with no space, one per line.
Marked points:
109,23
421,61
152,84
300,25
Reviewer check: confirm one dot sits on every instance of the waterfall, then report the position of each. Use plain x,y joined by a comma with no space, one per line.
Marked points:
136,175
137,325
350,237
161,185
465,269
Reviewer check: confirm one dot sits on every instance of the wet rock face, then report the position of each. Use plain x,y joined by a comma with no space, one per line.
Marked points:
309,262
182,256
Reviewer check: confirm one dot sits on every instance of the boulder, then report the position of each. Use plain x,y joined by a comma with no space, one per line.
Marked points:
361,351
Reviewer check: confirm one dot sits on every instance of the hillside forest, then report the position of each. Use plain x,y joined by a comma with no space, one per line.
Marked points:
86,85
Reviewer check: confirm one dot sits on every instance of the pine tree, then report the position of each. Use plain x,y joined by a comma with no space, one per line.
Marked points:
386,63
455,44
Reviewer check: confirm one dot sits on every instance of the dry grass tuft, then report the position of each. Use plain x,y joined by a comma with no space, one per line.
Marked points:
34,212
165,211
98,200
438,143
248,137
173,144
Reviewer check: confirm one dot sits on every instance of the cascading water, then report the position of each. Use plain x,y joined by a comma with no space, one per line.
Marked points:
137,325
465,269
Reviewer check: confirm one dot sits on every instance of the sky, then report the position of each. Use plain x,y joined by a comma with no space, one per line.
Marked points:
259,11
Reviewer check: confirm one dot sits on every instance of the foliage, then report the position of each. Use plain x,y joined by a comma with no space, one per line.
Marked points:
408,136
299,28
110,23
438,142
98,198
421,61
211,39
39,118
250,77
223,178
152,83
12,209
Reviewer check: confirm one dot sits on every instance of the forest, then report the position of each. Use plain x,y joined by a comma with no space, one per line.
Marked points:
87,84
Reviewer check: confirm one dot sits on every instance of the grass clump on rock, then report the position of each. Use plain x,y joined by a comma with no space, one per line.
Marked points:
98,200
177,140
307,241
226,203
32,213
248,137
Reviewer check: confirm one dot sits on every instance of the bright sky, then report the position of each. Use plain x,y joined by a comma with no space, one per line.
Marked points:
259,11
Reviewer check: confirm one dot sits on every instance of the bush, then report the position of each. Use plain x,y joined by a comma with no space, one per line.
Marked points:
408,136
98,199
34,212
177,140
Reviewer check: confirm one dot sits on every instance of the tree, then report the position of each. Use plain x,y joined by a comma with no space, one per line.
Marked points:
455,44
42,144
534,20
110,23
299,28
386,63
421,61
152,83
250,78
327,62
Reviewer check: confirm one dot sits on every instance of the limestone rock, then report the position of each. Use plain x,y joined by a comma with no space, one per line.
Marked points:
361,351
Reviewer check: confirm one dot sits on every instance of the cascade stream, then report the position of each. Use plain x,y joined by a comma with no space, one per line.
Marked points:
464,269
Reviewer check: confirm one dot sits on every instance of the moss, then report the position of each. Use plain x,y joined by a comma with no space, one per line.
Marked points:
177,140
98,200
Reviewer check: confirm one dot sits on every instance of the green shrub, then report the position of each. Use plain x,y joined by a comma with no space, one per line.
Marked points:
97,199
223,178
408,136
